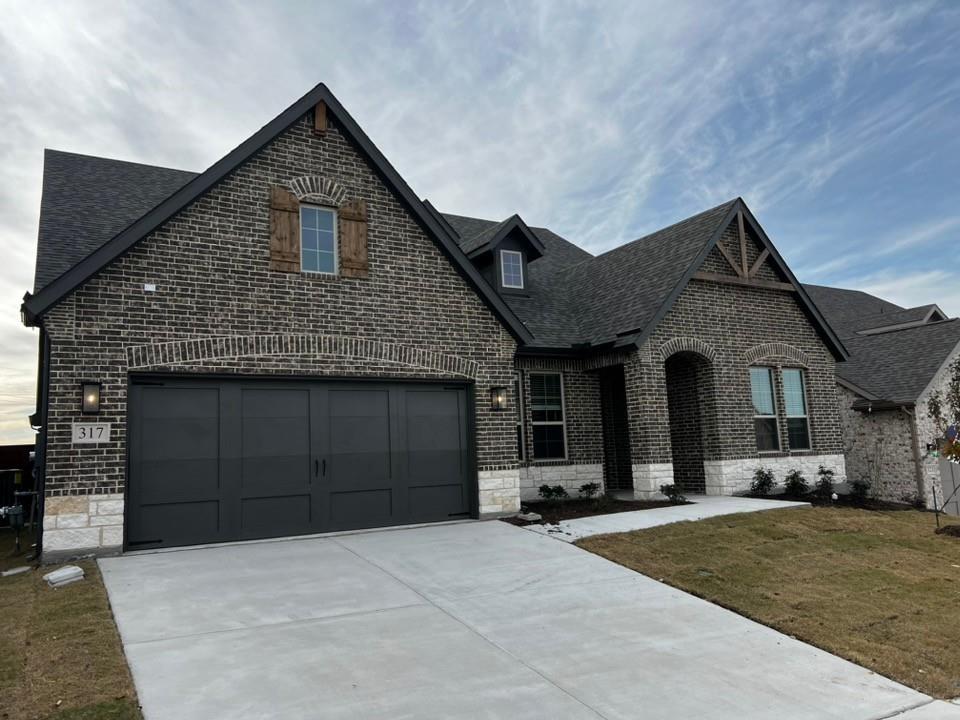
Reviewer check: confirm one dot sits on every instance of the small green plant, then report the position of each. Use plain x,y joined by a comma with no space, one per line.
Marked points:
763,482
553,493
673,493
589,490
824,486
860,491
795,484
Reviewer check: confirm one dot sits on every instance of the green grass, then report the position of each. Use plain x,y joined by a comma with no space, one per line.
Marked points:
878,588
60,653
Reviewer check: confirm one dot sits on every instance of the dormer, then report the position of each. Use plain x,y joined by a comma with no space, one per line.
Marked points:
502,253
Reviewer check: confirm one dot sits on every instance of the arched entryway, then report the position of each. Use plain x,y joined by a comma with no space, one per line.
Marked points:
692,408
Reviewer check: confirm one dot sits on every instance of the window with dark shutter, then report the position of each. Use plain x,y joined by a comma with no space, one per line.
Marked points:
284,230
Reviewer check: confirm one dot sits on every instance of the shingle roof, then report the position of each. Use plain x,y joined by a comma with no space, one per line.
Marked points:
620,291
844,309
87,200
546,309
896,365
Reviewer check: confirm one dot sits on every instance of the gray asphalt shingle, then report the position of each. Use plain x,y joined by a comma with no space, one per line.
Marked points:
87,200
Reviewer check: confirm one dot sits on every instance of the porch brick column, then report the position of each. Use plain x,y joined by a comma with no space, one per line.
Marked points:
649,421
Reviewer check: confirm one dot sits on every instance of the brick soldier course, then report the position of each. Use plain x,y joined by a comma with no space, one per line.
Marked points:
169,273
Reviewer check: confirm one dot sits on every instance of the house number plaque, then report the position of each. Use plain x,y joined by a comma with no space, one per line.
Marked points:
91,433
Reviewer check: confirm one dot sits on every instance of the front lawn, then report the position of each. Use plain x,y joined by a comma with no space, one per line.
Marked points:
878,588
60,654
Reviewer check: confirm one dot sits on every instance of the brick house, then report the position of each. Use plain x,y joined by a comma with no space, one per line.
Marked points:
899,357
293,342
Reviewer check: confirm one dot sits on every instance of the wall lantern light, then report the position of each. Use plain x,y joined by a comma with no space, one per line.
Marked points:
90,398
498,398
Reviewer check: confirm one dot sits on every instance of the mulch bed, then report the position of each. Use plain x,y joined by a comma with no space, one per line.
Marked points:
949,530
554,512
841,501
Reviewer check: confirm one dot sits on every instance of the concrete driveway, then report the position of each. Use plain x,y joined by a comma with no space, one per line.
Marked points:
472,620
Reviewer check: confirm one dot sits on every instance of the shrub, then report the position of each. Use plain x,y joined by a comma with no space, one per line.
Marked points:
553,492
859,491
673,493
824,486
795,484
763,482
589,490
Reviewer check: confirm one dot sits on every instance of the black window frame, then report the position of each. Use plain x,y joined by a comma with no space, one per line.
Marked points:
545,423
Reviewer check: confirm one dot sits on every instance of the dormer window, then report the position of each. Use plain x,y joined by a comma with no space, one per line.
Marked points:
511,269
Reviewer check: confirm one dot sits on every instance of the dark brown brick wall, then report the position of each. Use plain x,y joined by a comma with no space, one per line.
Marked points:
737,326
210,266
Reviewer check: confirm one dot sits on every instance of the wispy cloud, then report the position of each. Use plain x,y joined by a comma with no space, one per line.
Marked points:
836,121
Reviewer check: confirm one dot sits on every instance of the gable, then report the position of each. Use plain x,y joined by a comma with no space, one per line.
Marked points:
302,113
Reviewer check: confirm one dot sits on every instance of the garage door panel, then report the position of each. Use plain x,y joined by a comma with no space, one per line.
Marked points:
275,516
275,442
359,438
437,502
361,508
179,480
177,523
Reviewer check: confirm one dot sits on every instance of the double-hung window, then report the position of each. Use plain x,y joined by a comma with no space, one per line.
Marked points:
547,418
318,239
795,404
764,409
511,269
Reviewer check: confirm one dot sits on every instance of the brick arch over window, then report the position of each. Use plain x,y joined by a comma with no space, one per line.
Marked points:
197,350
768,351
685,344
318,189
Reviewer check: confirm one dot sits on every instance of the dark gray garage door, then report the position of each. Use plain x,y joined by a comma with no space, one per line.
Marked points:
216,460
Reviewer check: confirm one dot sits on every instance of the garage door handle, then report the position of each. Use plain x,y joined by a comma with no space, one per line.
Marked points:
324,467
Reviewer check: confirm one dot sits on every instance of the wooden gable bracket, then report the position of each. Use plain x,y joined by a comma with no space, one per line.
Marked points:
744,270
320,118
733,264
748,282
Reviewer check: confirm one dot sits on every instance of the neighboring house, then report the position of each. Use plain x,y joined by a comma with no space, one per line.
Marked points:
899,357
293,342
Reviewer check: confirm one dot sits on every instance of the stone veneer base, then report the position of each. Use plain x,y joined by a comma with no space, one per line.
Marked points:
499,492
81,524
571,477
726,477
648,478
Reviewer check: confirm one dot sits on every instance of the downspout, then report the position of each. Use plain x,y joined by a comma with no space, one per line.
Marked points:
917,462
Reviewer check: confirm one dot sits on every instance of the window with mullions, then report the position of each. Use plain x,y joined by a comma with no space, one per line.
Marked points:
318,240
547,416
795,405
764,409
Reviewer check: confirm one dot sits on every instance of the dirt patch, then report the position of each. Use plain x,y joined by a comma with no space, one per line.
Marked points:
845,501
949,531
873,587
554,512
60,653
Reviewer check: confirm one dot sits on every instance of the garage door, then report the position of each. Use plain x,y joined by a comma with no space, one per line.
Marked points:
217,460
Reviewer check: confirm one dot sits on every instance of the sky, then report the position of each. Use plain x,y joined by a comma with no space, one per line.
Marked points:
836,121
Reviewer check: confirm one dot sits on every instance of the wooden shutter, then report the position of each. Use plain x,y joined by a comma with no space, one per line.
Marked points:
353,238
284,230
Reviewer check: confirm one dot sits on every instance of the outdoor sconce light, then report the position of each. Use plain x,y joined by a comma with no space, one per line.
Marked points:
498,398
90,400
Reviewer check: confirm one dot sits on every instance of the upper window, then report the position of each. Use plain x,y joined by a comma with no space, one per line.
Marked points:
318,239
547,417
511,269
764,409
795,397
